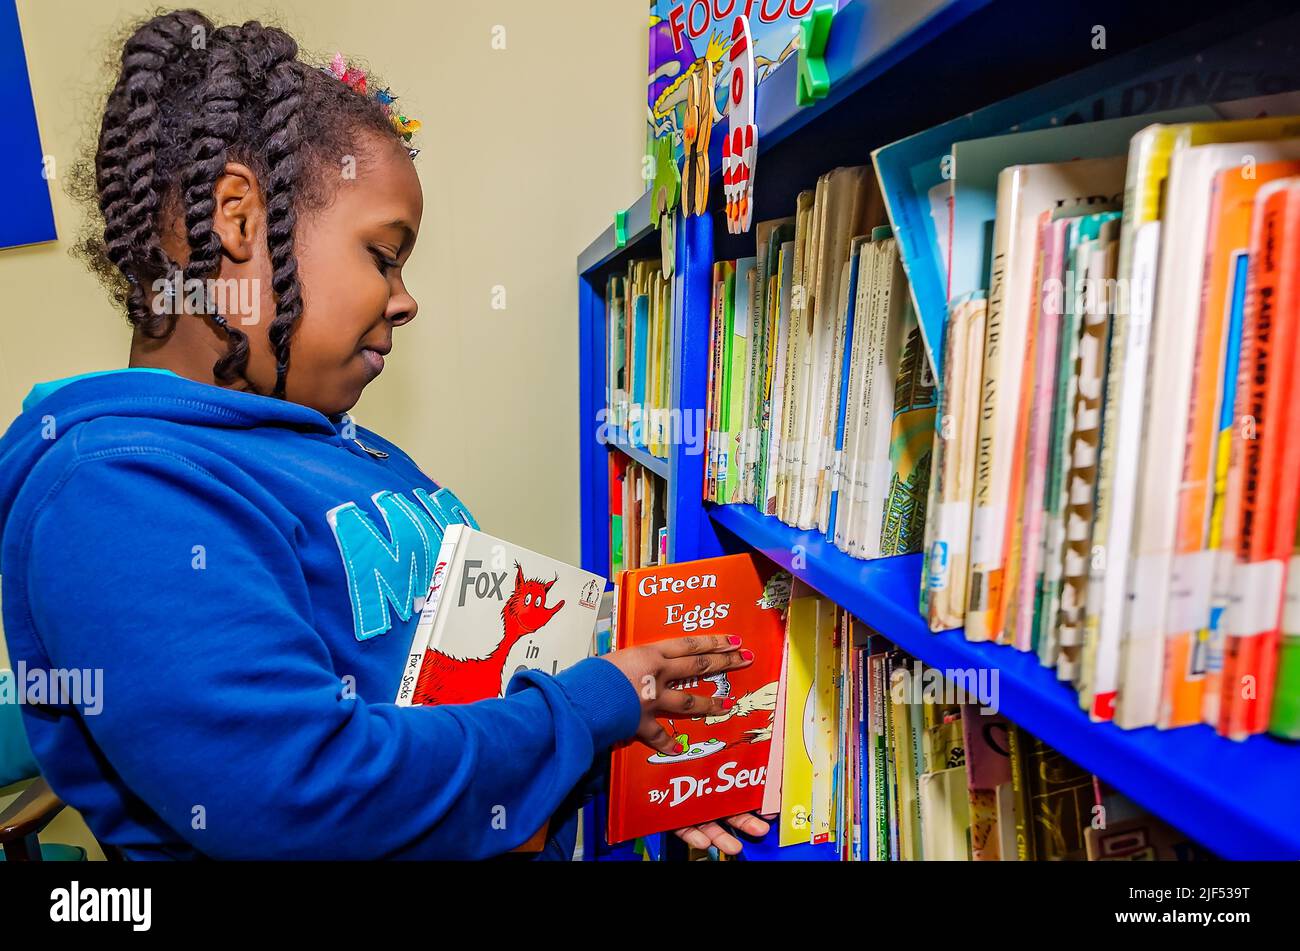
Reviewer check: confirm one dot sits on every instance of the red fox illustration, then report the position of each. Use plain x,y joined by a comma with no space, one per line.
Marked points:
446,679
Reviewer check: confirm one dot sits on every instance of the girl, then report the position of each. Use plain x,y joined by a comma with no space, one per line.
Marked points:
208,537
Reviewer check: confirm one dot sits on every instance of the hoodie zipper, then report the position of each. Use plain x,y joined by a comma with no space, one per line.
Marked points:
342,425
377,453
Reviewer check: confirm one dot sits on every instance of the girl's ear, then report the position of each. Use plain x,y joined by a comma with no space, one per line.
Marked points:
239,213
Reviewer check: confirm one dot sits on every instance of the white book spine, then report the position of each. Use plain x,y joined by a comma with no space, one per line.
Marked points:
891,306
853,401
998,404
874,343
428,614
1168,394
780,346
1110,582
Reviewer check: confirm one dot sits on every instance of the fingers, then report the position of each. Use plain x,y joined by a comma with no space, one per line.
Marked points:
719,836
657,738
680,702
703,665
693,837
713,833
699,644
749,824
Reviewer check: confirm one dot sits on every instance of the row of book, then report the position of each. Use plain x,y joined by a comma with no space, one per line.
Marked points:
1117,469
638,516
847,741
821,399
638,381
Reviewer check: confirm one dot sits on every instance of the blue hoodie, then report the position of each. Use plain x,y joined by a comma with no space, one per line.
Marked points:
244,575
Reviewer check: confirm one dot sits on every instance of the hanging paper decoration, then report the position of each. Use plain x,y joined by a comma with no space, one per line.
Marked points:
663,201
696,136
740,148
688,36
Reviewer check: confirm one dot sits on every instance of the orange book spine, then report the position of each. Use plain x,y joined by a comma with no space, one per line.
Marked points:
1188,677
1270,486
1184,680
1007,605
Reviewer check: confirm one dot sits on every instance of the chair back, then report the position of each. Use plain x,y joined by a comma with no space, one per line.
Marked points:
16,760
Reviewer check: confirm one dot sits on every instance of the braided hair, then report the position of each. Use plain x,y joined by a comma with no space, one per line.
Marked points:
190,97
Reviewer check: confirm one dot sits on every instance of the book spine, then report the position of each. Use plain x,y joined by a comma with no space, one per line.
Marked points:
873,348
989,511
1083,454
428,616
833,424
1120,440
956,430
1022,460
709,395
1116,468
780,350
754,379
1048,325
763,401
1271,465
1020,791
877,414
1192,571
848,376
881,763
1167,403
790,450
1285,718
1227,499
938,462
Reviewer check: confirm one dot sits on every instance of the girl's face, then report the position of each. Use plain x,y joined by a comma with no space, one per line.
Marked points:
350,256
350,259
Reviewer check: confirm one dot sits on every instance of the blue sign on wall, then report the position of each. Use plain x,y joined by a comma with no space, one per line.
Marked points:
26,216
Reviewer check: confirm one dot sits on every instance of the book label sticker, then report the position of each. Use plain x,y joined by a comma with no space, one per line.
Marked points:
1191,584
1256,602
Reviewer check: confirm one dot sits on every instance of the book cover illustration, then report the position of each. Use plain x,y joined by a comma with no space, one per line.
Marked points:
722,764
911,441
502,609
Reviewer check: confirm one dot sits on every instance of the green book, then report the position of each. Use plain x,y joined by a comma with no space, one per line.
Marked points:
1285,720
739,319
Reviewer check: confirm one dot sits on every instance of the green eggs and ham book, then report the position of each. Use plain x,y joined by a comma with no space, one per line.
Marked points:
720,767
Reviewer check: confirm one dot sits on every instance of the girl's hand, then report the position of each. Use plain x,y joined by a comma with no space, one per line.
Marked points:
655,669
715,833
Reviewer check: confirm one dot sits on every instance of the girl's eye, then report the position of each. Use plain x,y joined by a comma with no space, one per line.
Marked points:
383,262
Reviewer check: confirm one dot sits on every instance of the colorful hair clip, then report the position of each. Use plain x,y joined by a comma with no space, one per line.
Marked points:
355,78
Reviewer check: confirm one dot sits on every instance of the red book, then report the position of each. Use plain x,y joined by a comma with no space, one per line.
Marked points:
721,768
1268,439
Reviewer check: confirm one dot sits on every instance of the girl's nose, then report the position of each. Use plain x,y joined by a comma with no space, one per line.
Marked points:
402,309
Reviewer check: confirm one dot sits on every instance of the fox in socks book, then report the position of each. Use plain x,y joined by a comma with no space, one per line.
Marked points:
494,608
720,767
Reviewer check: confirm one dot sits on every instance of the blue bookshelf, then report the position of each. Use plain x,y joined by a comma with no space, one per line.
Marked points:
899,67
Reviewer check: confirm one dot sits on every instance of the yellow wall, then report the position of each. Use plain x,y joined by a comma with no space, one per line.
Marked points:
527,152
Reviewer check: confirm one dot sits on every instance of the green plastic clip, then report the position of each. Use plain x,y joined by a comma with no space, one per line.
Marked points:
620,229
814,77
